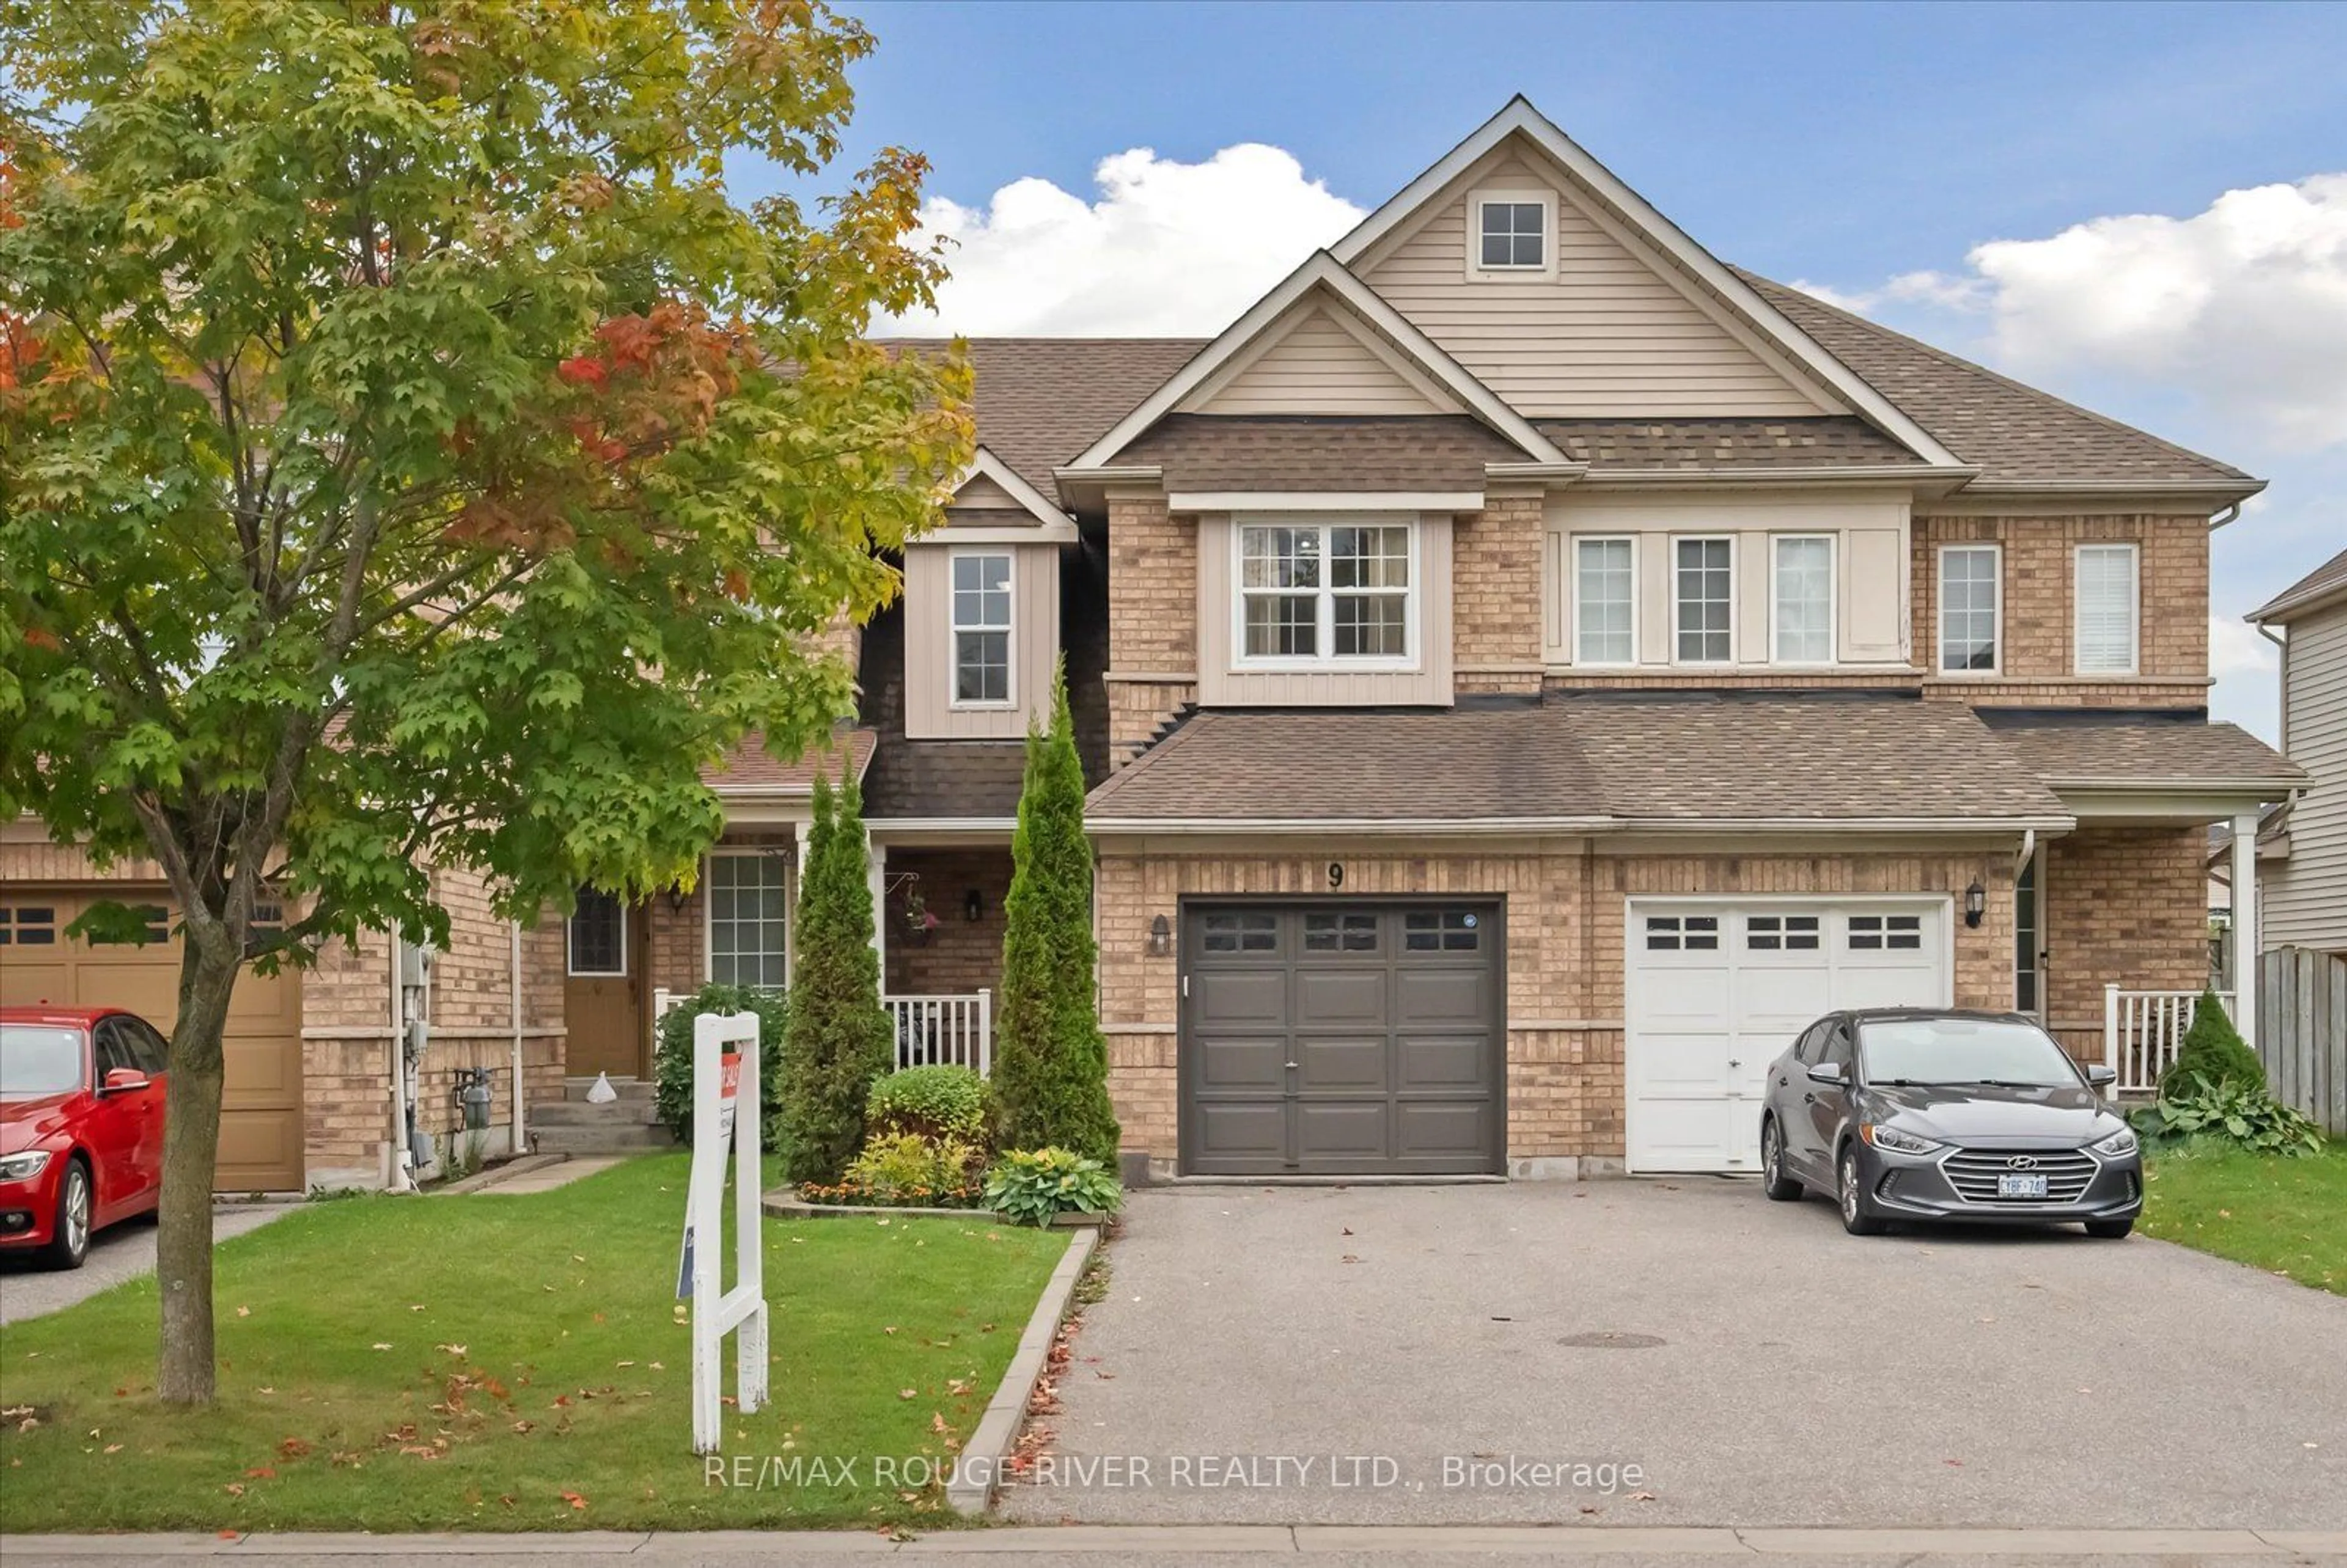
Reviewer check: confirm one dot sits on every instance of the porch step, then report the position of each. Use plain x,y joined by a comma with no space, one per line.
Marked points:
627,1088
628,1113
619,1138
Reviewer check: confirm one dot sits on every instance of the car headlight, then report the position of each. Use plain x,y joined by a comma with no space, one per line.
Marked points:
2119,1144
17,1167
1892,1138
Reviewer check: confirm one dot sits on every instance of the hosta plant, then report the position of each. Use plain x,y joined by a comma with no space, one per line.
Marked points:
1031,1187
2231,1112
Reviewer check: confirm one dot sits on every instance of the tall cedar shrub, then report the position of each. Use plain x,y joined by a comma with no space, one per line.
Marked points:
2213,1048
836,1037
1050,1063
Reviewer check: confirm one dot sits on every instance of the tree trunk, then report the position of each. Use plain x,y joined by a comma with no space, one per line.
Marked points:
183,1237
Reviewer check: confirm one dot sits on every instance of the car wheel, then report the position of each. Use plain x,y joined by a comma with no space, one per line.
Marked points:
1851,1198
69,1238
1779,1187
2109,1230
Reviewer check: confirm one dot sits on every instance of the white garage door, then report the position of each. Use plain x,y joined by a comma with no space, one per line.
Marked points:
1716,990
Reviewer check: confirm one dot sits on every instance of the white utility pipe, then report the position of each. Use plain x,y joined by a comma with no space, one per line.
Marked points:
520,1136
402,1164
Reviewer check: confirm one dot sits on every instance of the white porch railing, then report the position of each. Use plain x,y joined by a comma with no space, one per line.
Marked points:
2143,1031
934,1031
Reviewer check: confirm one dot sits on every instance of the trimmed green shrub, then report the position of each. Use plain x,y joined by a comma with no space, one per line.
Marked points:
941,1102
673,1067
1028,1187
1051,1062
839,1039
906,1168
2212,1049
2235,1115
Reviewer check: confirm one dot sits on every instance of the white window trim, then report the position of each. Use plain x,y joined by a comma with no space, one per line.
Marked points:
1940,627
1734,576
1573,543
708,904
2135,606
1833,601
1325,633
1476,271
1009,628
570,960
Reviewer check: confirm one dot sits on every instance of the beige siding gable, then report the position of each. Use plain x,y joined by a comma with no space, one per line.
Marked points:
2305,902
981,494
1607,328
1321,363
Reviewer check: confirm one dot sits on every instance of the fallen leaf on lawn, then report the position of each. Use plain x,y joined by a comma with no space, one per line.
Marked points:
525,1427
657,1366
420,1450
117,1448
292,1448
419,1306
889,1328
579,1257
574,1500
260,1472
244,1312
506,1498
264,1389
234,1489
452,1349
627,1363
382,1344
906,1393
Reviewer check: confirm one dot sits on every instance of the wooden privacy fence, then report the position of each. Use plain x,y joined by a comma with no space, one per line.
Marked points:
2302,1032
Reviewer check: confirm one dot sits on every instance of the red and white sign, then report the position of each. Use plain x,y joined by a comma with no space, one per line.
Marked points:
724,1079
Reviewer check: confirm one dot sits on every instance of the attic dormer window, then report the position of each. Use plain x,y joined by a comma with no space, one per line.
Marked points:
1512,234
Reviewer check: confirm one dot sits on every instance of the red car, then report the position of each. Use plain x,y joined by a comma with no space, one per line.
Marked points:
81,1126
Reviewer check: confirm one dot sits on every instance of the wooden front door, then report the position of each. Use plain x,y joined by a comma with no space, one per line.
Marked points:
603,996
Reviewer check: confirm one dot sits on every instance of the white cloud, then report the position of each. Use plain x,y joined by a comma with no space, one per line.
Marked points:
2237,649
2243,305
1167,249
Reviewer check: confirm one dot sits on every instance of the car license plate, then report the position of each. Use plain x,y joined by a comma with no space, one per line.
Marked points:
2020,1186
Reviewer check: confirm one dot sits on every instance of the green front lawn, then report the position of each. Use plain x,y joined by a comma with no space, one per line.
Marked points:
2286,1217
496,1363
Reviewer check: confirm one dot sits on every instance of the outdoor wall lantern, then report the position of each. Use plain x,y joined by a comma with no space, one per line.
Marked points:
973,907
1161,937
676,898
1975,903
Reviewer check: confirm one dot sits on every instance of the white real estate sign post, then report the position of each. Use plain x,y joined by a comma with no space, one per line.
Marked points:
724,1115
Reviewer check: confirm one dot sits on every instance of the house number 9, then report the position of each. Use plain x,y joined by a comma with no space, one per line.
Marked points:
1335,874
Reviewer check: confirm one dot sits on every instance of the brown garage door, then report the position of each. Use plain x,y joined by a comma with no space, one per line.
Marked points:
260,1107
1341,1039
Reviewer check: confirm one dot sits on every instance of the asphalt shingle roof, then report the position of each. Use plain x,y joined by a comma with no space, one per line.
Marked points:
1689,757
2150,748
2010,431
751,769
1253,452
2323,580
1834,440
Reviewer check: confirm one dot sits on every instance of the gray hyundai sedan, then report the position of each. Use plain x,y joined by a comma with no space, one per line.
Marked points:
1911,1114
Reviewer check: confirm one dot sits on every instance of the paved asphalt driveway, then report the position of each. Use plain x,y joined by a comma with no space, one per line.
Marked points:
1802,1377
117,1253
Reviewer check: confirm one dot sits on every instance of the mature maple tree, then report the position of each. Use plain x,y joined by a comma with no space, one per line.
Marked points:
411,452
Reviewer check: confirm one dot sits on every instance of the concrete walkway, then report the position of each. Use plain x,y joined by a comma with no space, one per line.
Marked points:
1413,1355
544,1173
116,1253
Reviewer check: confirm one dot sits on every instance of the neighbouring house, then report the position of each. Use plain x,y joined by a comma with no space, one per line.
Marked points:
2302,849
1527,668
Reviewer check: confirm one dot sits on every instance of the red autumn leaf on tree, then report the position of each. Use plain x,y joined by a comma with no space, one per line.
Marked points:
584,370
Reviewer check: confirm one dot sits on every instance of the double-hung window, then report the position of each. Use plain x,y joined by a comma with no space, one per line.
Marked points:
1604,601
981,629
1325,593
1803,613
748,903
1703,598
2105,608
1971,592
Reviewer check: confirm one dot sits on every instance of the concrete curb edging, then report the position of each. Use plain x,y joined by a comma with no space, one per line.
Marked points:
982,1460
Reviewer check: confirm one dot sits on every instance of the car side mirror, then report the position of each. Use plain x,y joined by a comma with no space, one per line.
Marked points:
2101,1072
1828,1072
120,1079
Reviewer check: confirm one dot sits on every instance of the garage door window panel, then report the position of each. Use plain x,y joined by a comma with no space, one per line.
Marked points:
1781,933
1886,933
28,925
1447,931
1682,933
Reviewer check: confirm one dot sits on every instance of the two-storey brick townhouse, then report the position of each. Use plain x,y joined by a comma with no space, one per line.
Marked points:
1530,669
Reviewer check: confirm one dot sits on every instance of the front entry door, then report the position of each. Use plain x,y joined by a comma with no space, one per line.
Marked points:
603,997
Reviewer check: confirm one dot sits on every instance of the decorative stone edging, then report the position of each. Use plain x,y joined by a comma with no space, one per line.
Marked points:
783,1204
987,1453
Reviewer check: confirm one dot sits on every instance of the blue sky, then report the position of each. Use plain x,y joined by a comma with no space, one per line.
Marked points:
1839,145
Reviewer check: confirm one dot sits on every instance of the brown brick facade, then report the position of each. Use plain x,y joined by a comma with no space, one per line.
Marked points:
2125,904
1152,631
2172,663
1496,596
1565,923
957,955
